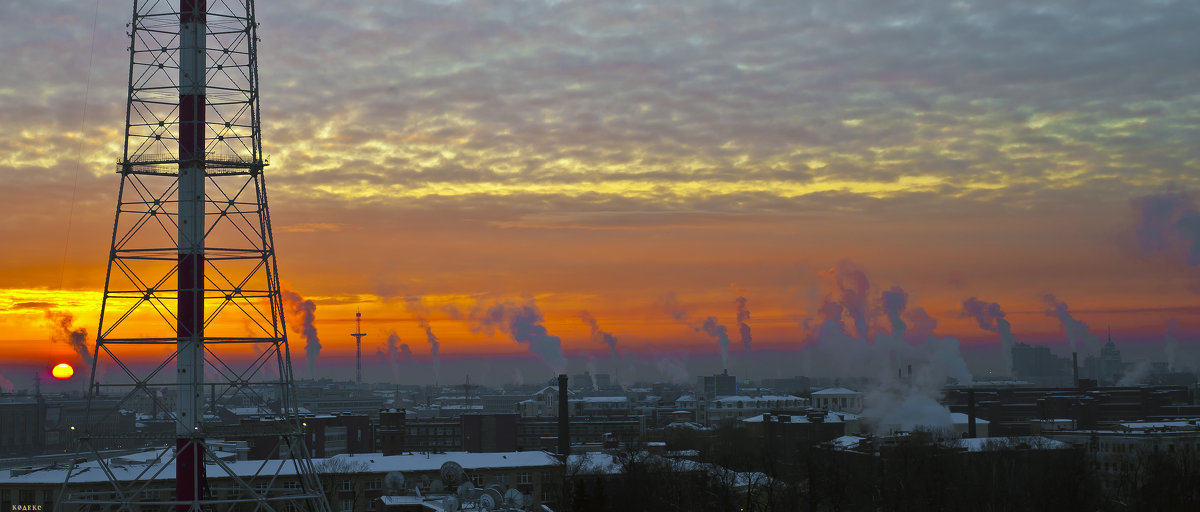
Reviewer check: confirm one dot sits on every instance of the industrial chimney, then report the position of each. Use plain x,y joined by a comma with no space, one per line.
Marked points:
564,426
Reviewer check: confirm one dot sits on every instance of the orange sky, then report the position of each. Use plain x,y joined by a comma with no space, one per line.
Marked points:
600,157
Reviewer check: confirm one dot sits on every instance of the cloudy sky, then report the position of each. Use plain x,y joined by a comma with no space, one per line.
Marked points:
627,158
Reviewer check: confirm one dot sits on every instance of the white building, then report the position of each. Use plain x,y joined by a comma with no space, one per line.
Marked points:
838,399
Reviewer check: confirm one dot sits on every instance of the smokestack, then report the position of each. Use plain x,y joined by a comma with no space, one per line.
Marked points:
971,413
910,373
1075,369
564,426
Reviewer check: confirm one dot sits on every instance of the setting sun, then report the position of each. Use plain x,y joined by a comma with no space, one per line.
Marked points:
62,371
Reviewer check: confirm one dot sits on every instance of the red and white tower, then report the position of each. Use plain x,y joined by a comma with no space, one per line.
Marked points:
192,283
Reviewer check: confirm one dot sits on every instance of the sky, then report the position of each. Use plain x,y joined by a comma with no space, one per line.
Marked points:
483,173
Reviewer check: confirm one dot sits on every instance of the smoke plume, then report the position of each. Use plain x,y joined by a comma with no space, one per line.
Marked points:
852,283
719,333
301,314
895,301
416,306
6,385
434,347
708,326
990,317
676,310
1169,224
523,322
743,316
1076,330
393,346
600,335
62,330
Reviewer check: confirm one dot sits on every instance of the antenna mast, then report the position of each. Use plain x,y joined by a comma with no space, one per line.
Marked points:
358,336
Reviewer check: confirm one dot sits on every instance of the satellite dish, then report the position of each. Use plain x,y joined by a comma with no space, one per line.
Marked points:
450,503
452,473
513,497
465,490
493,496
487,502
394,482
498,488
528,500
437,486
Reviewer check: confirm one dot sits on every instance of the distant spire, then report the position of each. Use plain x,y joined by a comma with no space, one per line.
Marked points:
358,336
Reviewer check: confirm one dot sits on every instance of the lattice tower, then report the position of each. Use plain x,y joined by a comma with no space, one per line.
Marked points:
192,316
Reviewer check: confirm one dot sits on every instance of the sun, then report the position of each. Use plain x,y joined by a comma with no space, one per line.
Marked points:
62,371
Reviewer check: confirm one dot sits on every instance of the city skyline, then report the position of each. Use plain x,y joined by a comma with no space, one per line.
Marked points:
651,166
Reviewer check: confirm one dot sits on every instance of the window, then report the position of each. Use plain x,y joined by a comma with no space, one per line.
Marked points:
523,478
374,484
346,506
347,484
293,484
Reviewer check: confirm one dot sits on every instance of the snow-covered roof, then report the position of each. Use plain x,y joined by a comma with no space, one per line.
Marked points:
133,466
753,399
604,399
977,444
830,417
959,418
1180,424
835,392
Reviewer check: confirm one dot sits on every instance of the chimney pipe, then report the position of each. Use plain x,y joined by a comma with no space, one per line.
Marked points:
910,372
971,433
1075,369
564,426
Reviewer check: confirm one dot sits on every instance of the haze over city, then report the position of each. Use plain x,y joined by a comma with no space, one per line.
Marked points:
657,192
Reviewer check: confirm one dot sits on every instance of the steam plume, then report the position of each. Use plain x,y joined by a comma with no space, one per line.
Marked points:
1076,330
393,345
990,317
672,307
708,326
5,384
415,306
434,346
853,284
600,335
743,315
719,333
895,301
302,314
524,324
1169,223
63,330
